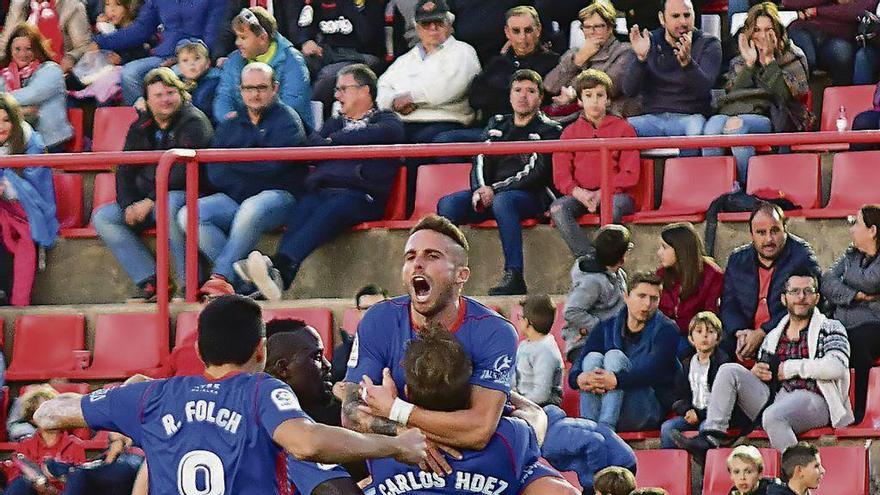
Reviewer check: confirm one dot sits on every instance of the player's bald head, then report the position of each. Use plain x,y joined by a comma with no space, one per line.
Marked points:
230,330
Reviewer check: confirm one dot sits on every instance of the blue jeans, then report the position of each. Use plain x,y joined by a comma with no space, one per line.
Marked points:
133,74
675,424
751,124
669,124
127,246
320,216
229,231
867,59
835,55
622,410
509,208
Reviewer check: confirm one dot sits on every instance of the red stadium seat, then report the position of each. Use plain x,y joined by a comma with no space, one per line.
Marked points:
870,425
75,117
350,320
855,99
689,186
669,469
716,479
187,325
853,184
846,471
798,175
395,209
432,183
4,412
643,196
111,127
319,318
571,399
68,199
125,344
43,345
104,192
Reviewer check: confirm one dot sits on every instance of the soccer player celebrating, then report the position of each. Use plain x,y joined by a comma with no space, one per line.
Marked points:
434,272
438,375
221,432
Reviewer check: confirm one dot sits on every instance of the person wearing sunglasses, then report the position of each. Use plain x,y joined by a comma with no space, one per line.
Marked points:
257,40
800,382
852,285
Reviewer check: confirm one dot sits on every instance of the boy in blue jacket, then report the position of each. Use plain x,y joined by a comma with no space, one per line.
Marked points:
627,369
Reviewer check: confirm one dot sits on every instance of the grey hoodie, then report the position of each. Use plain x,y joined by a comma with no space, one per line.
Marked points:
596,294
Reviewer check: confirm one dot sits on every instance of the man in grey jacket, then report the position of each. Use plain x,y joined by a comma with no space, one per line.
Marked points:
598,284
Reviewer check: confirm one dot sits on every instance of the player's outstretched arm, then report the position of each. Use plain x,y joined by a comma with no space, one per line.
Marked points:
531,413
357,420
309,441
470,428
61,413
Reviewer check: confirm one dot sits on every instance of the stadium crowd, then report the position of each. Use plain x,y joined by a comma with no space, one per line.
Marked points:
766,342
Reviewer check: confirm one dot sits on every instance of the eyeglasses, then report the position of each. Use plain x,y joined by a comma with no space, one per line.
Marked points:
802,291
262,88
248,17
594,27
343,88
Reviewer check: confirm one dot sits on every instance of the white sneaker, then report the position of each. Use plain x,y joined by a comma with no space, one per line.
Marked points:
261,272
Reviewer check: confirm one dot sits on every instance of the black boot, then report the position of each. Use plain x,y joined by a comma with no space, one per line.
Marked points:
512,283
699,445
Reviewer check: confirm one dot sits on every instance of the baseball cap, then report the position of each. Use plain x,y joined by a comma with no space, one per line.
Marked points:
431,10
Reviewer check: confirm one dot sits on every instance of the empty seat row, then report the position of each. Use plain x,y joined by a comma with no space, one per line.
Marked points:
53,346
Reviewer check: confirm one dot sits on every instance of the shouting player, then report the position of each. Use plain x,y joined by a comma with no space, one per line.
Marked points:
221,432
438,372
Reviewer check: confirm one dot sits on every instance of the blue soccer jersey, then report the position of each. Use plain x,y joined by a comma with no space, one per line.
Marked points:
306,476
201,436
509,462
382,335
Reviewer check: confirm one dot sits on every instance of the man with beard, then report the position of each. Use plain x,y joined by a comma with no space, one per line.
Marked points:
803,361
627,368
673,68
435,268
755,278
296,357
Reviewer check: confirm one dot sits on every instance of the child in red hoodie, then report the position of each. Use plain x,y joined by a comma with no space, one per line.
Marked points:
578,175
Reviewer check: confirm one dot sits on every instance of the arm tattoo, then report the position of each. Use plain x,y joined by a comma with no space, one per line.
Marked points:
362,421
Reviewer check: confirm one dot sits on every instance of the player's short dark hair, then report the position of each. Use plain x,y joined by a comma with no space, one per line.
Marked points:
767,208
614,480
612,242
278,325
442,225
800,454
652,490
437,371
540,311
230,328
528,75
368,290
649,278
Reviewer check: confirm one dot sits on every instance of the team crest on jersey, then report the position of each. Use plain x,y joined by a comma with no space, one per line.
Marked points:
501,369
97,395
284,400
353,356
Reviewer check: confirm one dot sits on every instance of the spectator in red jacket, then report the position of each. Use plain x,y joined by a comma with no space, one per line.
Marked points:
692,282
43,444
578,175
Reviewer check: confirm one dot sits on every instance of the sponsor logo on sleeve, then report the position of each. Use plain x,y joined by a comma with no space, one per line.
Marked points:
353,357
285,400
97,395
501,370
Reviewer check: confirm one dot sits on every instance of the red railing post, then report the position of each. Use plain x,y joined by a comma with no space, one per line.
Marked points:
606,195
162,267
192,230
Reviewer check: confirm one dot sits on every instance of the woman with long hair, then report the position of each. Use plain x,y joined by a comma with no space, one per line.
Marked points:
692,281
37,83
769,70
852,285
27,201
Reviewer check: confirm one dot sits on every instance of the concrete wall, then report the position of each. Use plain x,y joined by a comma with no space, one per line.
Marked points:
82,271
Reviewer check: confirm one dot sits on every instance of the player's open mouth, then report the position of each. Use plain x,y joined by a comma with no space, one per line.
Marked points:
421,288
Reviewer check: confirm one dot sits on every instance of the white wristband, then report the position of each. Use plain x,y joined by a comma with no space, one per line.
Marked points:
400,411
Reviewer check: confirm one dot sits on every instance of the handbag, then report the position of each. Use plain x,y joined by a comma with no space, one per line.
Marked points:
869,28
789,115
